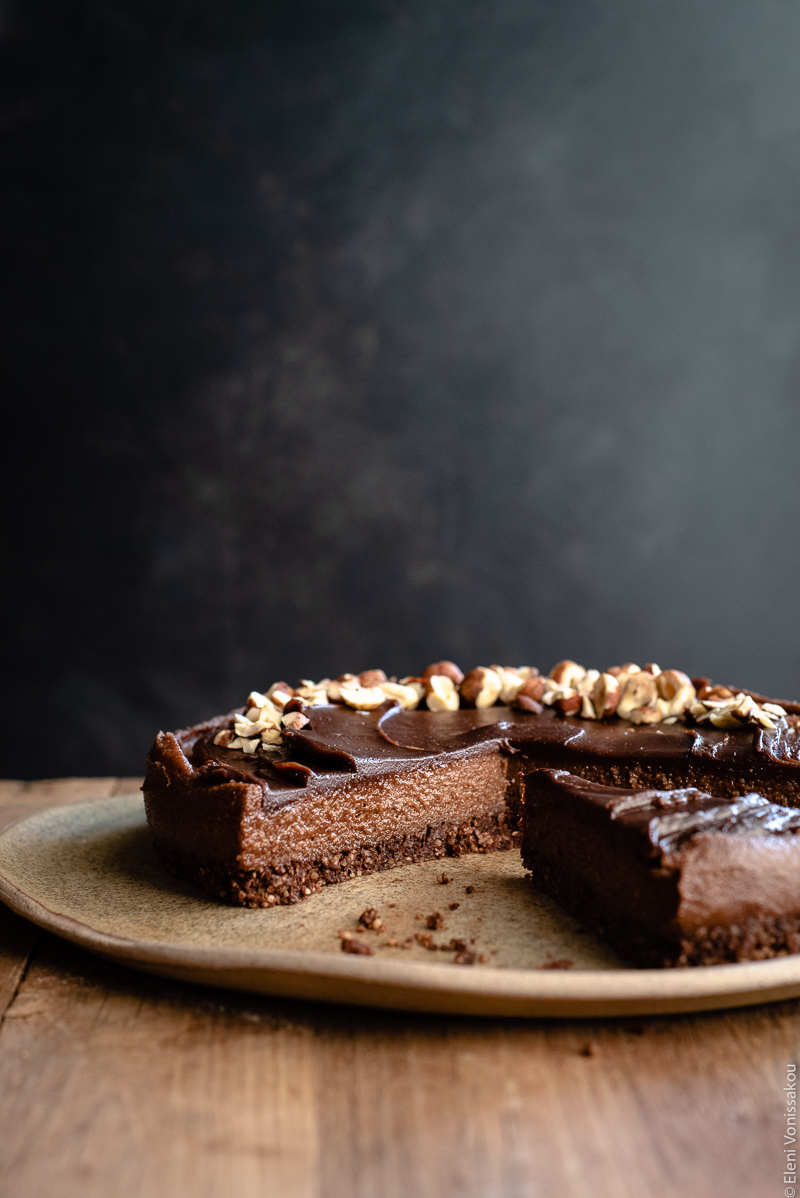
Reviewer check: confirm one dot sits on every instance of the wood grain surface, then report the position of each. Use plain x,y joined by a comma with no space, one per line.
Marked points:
113,1083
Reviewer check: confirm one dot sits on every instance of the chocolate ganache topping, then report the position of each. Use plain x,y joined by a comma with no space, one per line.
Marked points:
337,739
670,818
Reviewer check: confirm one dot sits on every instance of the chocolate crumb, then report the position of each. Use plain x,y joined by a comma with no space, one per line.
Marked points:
357,946
483,959
391,904
370,920
460,946
454,906
443,879
590,1049
466,958
436,920
468,889
552,962
425,939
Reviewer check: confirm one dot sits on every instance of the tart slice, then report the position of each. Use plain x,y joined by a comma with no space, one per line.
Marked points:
670,877
338,800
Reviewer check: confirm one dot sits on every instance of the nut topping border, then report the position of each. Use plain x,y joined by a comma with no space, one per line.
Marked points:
647,695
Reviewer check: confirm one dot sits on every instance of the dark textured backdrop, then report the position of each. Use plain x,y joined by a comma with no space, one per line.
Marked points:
345,333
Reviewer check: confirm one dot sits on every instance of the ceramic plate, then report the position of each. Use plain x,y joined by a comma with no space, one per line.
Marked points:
89,873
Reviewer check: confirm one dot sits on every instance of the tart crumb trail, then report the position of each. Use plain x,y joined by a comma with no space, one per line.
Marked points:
357,946
369,920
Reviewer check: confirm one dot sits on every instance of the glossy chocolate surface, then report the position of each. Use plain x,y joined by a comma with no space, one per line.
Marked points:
339,740
668,819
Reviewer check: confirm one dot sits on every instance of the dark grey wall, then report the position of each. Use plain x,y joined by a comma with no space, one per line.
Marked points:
367,332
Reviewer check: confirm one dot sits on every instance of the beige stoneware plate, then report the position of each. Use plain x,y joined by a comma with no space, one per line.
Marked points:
89,873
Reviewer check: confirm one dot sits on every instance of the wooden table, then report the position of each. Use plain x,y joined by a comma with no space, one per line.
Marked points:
115,1085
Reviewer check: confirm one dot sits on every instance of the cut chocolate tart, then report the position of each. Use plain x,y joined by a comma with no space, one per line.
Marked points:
314,784
670,877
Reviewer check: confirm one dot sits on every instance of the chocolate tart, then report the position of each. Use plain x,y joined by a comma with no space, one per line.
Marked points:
357,791
673,877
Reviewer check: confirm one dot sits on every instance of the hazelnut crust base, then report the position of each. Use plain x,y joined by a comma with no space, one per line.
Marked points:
752,940
286,884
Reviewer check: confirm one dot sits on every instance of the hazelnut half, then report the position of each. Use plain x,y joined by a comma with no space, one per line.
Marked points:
481,687
605,696
669,682
639,691
372,677
675,692
407,696
529,696
444,669
511,679
363,698
334,689
441,693
567,673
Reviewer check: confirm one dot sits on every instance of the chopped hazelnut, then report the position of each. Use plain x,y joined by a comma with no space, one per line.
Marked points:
295,720
511,681
647,714
714,692
280,694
